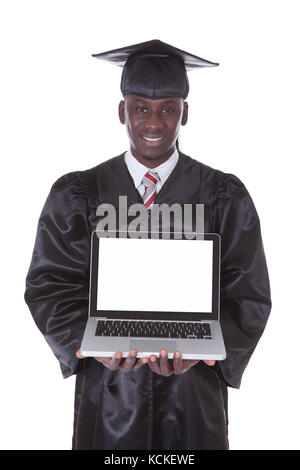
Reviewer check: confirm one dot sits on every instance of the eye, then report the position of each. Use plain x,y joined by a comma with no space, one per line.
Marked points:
141,109
167,110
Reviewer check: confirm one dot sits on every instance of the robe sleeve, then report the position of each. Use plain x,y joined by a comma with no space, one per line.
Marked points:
57,282
245,301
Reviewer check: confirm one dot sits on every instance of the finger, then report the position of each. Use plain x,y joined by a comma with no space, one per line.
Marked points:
210,363
177,363
140,363
164,365
154,364
113,363
130,361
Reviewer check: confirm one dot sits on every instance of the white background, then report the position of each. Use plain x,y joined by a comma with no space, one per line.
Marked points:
58,110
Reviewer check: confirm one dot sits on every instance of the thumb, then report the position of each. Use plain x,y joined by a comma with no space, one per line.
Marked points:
79,355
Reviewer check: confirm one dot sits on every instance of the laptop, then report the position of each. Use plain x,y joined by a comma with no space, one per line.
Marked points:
152,293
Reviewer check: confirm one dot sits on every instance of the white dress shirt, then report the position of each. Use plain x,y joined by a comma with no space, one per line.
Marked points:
137,170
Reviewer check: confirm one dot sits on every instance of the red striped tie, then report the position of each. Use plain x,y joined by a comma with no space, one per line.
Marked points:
150,194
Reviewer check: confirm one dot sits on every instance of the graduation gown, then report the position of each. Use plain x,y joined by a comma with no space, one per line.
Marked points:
140,409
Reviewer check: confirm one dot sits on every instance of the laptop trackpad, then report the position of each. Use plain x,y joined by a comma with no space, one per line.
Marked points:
153,345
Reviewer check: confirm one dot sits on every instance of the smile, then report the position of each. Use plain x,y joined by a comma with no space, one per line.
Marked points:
152,139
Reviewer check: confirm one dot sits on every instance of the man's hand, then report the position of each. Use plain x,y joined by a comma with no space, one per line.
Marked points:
166,367
116,362
162,365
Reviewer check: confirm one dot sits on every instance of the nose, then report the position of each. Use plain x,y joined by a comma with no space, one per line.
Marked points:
154,123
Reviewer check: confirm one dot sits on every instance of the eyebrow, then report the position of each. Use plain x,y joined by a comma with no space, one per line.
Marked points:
140,100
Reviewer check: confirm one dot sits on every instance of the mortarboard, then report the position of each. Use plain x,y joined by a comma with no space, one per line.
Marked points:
154,69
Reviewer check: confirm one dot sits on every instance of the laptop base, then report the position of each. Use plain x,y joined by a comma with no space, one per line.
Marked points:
191,348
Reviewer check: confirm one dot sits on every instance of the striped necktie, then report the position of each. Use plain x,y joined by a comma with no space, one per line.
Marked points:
149,181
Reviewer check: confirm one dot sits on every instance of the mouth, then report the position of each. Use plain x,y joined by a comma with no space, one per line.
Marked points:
152,139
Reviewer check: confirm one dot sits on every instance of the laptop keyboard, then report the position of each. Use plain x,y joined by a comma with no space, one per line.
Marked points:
152,329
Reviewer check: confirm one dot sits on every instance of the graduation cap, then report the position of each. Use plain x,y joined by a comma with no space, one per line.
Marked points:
154,69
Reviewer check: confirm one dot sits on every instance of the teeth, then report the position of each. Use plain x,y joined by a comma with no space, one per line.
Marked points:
152,139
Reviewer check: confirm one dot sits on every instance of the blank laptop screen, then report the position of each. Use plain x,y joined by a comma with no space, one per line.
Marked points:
155,275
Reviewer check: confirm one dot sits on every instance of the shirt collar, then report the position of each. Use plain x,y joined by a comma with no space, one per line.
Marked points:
138,170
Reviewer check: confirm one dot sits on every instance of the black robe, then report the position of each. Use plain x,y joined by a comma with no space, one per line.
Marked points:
140,409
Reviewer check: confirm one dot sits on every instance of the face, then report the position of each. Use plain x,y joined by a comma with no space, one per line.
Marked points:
152,126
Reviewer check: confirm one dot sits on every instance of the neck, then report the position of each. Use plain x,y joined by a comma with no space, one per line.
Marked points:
151,162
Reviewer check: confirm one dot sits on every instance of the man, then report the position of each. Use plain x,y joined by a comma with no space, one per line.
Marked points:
149,403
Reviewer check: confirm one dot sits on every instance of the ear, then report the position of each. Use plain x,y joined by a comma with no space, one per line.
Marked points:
185,113
122,112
